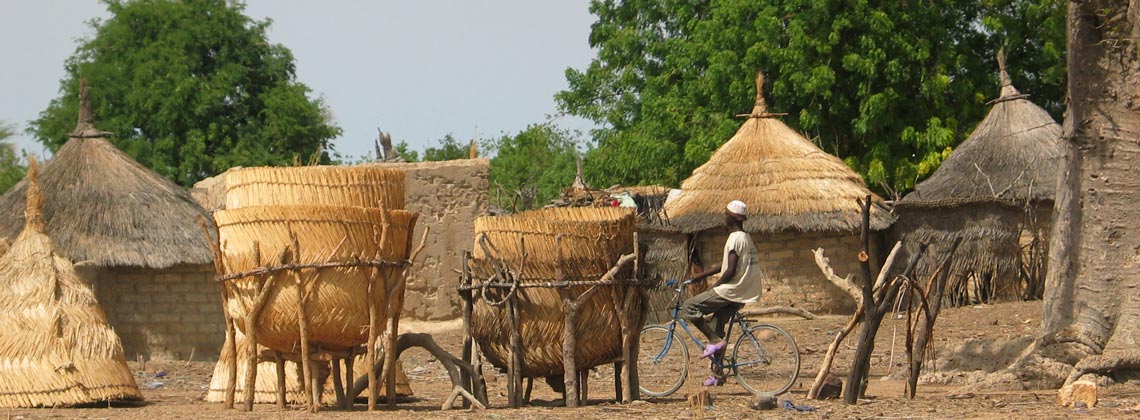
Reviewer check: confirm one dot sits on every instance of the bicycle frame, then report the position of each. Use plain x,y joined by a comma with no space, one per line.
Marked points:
676,319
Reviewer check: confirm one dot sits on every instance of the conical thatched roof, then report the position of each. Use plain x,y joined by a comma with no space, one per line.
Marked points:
1011,157
104,208
56,347
787,182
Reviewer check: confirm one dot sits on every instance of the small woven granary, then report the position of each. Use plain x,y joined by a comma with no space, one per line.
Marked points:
545,247
996,191
799,198
135,237
56,347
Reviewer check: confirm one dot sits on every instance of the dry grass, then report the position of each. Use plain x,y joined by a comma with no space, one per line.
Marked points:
359,186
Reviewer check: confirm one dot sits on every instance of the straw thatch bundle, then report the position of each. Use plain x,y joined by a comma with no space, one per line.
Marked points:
359,186
787,182
266,389
559,244
336,301
56,347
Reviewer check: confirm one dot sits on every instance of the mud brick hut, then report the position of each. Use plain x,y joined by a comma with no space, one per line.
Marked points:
996,192
799,198
56,348
136,239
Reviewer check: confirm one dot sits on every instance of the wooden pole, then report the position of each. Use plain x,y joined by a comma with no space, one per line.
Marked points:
338,386
515,367
569,341
229,351
395,306
934,299
349,376
251,329
468,343
281,386
303,332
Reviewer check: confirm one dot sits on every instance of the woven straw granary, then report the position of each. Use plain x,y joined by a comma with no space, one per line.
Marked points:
559,244
56,347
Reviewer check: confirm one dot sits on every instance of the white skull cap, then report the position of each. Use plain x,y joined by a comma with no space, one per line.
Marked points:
737,207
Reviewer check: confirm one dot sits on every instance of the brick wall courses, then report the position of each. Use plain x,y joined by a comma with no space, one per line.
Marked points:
163,314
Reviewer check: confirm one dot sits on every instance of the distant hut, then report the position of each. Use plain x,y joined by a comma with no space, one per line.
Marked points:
135,238
799,198
56,348
996,191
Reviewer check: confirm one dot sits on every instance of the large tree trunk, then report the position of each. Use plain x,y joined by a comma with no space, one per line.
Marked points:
1092,293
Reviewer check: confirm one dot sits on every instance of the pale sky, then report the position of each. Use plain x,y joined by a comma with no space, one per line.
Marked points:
417,69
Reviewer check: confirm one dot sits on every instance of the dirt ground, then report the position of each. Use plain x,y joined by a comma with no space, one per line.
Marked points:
979,337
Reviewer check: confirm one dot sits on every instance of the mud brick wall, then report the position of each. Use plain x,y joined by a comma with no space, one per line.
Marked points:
162,314
791,277
449,196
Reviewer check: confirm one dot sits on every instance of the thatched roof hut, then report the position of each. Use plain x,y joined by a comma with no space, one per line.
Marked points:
788,183
134,236
56,347
993,189
104,208
799,198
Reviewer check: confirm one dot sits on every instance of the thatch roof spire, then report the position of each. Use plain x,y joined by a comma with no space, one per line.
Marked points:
1007,89
788,183
34,209
85,126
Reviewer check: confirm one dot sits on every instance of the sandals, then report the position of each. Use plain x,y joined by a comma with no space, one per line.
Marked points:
711,349
714,381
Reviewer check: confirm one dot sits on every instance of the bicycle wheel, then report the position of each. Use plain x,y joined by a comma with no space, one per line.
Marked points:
662,361
766,360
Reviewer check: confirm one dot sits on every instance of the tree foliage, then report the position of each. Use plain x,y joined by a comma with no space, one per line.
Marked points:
12,170
532,167
448,148
890,87
190,88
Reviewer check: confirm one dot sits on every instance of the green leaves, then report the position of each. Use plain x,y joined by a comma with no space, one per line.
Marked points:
532,167
190,88
888,87
11,169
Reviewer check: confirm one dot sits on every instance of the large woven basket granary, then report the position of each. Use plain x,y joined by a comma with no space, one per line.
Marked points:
336,298
549,246
354,186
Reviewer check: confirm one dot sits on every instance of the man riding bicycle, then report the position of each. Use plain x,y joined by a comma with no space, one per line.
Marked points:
739,284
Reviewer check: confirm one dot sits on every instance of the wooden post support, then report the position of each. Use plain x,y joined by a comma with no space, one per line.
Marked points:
515,367
348,377
251,327
370,350
303,332
338,386
468,307
279,362
230,352
569,340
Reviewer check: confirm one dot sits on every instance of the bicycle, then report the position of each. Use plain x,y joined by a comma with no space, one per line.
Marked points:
764,359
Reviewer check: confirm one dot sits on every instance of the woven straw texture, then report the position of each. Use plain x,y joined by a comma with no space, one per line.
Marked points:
336,298
266,385
592,240
56,347
353,186
787,182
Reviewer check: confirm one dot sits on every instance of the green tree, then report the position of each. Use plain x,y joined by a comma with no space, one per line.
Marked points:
12,170
448,149
405,152
532,167
190,88
890,87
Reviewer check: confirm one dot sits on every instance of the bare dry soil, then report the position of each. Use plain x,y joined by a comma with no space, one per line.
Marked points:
968,342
